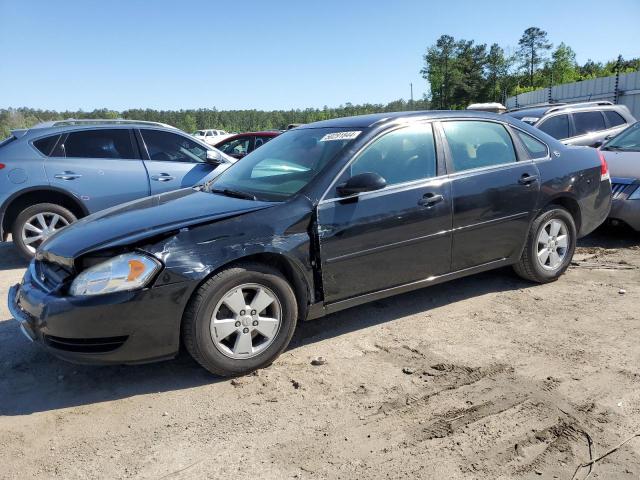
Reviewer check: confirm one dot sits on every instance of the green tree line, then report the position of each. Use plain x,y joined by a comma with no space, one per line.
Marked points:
459,72
191,120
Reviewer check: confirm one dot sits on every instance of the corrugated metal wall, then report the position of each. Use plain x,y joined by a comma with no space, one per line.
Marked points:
628,92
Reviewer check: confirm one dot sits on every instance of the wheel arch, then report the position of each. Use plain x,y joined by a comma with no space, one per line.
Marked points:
288,267
570,204
34,195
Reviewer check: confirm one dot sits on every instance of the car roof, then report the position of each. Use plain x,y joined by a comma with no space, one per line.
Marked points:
366,121
62,125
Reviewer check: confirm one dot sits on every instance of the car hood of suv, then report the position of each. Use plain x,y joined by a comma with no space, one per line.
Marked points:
135,221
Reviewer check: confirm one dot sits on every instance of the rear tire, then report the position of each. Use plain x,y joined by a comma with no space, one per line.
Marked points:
550,246
225,334
36,223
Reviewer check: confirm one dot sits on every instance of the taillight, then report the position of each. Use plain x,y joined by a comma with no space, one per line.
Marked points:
604,168
2,165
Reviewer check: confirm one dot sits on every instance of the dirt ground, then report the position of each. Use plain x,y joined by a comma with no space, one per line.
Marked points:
488,377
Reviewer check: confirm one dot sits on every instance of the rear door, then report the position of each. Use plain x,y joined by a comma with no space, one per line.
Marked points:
99,166
172,160
494,194
588,128
390,237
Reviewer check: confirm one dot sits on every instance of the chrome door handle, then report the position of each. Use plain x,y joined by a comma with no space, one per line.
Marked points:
163,177
430,199
66,175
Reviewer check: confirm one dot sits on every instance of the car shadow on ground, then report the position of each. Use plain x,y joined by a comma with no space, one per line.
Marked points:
34,381
31,380
9,257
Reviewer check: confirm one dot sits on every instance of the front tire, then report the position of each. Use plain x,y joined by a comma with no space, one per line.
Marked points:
37,223
550,246
240,320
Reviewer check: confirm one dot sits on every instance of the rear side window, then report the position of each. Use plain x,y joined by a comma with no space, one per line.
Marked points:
102,143
557,127
478,144
46,144
586,122
171,147
614,118
400,156
534,147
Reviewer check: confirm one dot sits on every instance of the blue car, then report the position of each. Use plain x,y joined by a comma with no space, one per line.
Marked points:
56,172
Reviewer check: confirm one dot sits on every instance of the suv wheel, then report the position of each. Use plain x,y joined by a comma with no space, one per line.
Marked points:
240,320
550,246
37,223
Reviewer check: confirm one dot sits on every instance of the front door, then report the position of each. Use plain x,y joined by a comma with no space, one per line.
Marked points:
99,166
173,160
494,194
390,237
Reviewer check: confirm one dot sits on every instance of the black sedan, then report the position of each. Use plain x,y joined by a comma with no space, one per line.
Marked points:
324,217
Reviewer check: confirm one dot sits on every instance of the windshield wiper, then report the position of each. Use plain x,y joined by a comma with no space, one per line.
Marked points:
234,193
612,147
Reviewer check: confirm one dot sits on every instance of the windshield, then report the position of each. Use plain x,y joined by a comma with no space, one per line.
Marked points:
628,140
285,165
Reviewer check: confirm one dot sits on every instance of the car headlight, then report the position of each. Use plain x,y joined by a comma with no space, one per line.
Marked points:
128,271
635,195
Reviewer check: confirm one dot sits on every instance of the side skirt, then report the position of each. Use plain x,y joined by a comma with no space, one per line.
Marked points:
319,310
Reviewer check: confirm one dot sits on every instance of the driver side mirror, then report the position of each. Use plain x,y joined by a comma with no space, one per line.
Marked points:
214,156
598,144
363,182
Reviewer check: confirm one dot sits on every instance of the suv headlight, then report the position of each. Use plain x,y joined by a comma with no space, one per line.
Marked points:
128,271
635,195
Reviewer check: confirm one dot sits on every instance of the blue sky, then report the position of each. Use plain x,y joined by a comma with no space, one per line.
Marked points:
86,54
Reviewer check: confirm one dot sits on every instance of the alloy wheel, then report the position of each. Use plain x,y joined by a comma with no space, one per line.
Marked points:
246,321
552,244
41,226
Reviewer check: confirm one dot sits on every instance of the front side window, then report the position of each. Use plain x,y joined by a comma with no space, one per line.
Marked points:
285,165
475,144
557,127
614,118
171,147
586,122
239,146
101,143
400,156
534,147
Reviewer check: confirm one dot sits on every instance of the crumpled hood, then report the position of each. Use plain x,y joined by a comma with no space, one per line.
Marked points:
134,221
623,164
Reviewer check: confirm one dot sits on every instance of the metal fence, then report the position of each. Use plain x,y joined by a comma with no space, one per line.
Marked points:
622,89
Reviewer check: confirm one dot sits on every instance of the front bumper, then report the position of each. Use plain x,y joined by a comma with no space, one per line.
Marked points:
123,327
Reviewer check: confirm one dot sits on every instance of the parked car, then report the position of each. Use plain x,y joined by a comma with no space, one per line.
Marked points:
622,153
243,144
324,217
211,136
57,172
587,123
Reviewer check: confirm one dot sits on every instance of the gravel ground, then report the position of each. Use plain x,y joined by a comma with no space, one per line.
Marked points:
484,377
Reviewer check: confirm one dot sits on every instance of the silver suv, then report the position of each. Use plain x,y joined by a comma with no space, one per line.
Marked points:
588,123
57,172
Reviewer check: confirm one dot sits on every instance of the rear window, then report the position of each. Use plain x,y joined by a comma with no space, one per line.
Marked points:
614,118
46,144
103,143
557,127
586,122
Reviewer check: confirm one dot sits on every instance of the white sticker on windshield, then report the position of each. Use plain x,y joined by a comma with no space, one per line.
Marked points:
530,120
330,137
